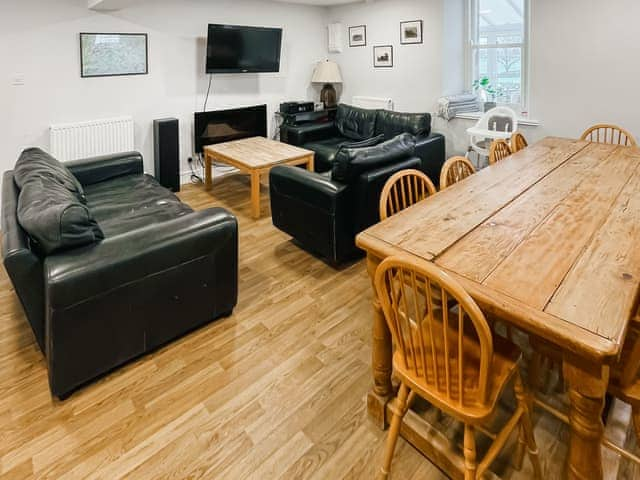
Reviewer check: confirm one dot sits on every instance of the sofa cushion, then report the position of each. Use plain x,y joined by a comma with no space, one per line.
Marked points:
352,162
391,123
356,123
53,217
35,163
132,201
325,150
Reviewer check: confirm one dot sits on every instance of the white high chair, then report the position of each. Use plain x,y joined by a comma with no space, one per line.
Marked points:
497,123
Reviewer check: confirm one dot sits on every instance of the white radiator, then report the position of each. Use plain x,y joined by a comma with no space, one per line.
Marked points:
72,141
373,103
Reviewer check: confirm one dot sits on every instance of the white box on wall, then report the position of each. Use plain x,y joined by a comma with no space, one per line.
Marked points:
335,37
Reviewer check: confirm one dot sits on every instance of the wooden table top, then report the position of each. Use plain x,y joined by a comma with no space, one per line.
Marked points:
547,238
256,152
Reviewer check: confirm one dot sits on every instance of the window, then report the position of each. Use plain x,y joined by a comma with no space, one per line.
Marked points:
498,48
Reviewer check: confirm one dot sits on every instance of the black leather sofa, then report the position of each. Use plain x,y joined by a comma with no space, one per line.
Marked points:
355,127
160,270
324,212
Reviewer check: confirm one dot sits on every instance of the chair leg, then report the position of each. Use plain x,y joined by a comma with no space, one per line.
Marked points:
635,413
521,449
399,410
526,426
561,387
510,333
470,465
535,372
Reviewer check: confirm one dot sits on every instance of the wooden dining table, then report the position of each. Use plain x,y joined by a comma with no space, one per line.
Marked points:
547,240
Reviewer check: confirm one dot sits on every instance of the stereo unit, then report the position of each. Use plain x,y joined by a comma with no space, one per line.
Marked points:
166,152
291,108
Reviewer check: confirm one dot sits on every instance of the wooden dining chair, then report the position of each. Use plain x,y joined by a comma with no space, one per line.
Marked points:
499,150
624,381
454,170
518,142
449,358
402,190
611,134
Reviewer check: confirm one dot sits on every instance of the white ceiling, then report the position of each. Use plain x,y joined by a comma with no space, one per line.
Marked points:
322,3
117,4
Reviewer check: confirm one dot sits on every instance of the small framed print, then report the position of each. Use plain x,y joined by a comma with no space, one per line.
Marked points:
411,32
358,36
383,56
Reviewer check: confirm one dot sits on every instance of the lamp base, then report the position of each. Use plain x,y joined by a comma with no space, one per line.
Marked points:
328,96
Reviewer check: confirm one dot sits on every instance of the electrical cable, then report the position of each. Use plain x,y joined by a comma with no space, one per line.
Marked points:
206,99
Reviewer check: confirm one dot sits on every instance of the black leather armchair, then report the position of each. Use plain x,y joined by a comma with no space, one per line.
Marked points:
160,271
324,212
357,125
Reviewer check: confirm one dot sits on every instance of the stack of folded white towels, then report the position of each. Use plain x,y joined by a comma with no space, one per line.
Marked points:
449,107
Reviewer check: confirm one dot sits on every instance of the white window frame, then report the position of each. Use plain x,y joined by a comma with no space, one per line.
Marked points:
471,47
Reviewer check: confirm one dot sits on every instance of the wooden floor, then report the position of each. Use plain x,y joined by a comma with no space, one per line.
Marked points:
275,391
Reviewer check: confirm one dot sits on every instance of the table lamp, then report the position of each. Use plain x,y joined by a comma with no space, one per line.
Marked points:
327,73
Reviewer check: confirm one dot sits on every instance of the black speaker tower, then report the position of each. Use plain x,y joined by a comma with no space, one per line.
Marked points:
166,152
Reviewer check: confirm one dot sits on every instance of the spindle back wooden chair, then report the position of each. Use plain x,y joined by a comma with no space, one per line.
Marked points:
454,170
611,134
624,382
499,150
402,190
448,357
518,142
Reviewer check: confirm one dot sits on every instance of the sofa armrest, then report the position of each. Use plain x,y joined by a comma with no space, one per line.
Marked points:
431,150
298,135
76,275
312,188
98,169
22,265
316,211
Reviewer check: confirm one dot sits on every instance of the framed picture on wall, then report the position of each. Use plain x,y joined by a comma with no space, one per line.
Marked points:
358,36
383,56
113,54
411,32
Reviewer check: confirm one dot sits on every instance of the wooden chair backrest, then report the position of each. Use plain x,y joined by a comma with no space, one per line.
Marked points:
402,190
518,142
432,344
611,134
454,170
499,150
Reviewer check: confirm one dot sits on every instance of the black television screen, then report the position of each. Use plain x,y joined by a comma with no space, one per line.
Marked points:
237,49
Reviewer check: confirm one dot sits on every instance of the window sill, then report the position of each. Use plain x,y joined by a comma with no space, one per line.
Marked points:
476,116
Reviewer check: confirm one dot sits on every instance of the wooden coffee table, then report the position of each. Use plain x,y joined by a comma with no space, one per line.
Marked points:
255,155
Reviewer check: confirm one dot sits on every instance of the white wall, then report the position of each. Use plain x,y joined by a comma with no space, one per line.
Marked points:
415,81
585,65
39,39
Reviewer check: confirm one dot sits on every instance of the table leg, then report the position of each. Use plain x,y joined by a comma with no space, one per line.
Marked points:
208,177
381,366
255,194
587,389
310,164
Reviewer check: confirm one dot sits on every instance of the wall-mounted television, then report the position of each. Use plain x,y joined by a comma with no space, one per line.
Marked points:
238,49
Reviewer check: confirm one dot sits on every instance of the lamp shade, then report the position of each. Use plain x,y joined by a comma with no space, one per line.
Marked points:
327,72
